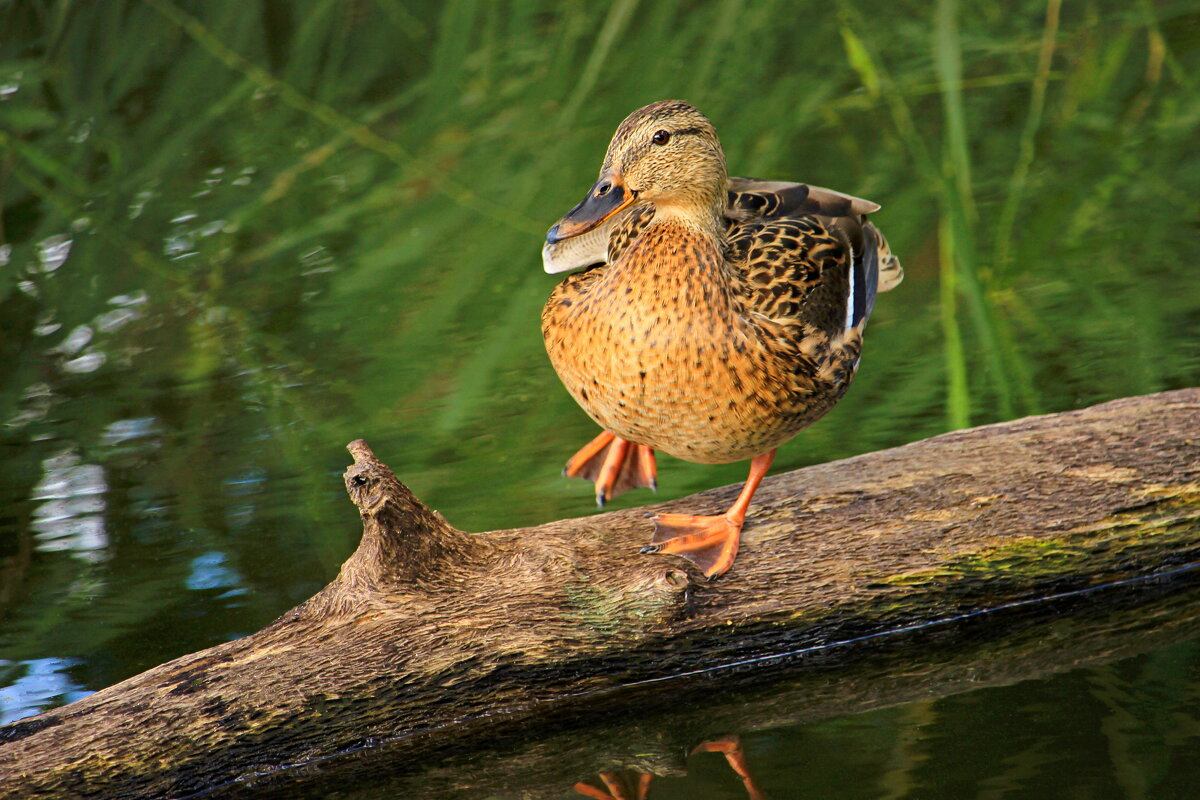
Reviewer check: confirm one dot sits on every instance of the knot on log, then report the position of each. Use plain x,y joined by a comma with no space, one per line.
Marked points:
404,541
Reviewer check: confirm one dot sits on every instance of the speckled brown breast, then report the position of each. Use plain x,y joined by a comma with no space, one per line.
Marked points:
664,347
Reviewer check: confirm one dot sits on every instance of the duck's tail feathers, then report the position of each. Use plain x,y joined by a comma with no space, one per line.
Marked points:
890,271
864,277
875,270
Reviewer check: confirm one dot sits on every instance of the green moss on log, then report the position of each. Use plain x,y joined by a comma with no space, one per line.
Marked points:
1169,521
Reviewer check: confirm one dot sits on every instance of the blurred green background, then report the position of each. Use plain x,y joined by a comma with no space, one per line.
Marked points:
236,236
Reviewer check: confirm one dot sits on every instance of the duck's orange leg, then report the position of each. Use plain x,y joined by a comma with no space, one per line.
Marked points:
614,464
731,748
626,785
620,786
711,543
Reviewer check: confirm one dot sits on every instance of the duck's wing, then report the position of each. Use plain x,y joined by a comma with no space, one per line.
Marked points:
793,271
808,253
753,199
818,272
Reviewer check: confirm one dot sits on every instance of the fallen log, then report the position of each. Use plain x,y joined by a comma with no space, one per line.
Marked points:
638,735
431,633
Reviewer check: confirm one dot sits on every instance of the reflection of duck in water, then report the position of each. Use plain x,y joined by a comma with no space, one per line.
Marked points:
720,316
628,785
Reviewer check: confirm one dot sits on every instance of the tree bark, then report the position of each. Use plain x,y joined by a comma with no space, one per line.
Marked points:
430,634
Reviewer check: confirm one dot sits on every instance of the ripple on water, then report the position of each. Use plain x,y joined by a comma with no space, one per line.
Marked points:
70,514
38,684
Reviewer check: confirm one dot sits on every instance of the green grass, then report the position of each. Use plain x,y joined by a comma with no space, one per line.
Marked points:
1020,154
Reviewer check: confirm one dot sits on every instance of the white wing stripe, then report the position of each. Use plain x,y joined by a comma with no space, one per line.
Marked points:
850,293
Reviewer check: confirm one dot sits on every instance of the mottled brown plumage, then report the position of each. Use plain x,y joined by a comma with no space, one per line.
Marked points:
721,317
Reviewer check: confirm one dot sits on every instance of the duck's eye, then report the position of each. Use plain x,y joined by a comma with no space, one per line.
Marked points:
661,137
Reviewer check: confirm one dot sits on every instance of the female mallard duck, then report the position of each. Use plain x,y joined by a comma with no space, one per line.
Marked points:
720,316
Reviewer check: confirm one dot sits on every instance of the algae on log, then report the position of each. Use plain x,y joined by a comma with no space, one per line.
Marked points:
429,630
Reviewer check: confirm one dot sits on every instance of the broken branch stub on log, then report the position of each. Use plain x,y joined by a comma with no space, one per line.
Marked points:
430,629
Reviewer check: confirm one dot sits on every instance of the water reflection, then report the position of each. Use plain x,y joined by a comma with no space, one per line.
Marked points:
212,571
618,785
34,405
26,687
70,515
52,252
626,784
79,353
124,430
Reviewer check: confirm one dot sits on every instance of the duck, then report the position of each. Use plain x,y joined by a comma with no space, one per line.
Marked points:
704,316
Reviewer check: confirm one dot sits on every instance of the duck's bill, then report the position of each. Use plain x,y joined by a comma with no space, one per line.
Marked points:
607,197
578,252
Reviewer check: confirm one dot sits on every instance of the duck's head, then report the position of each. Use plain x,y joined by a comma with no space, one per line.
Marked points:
666,153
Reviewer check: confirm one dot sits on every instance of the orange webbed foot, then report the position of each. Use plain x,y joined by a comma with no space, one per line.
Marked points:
711,543
615,465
